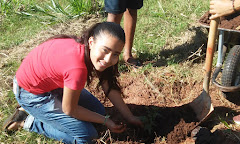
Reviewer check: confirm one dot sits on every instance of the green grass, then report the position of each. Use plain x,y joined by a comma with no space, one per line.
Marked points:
15,28
20,21
23,29
158,21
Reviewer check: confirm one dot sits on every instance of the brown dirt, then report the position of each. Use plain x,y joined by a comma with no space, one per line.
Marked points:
229,24
172,122
226,22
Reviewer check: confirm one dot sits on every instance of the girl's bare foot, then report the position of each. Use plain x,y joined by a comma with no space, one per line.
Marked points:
15,126
16,120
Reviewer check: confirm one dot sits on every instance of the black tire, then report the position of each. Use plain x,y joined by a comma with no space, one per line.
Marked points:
231,73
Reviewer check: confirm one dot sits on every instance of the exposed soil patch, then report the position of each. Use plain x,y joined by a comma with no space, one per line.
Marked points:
172,122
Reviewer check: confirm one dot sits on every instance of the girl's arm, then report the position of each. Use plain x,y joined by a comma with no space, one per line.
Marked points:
220,8
70,107
116,99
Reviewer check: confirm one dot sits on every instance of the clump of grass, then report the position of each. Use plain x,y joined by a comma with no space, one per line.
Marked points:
224,122
57,12
90,6
5,7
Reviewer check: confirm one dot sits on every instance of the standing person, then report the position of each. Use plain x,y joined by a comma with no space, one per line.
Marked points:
116,9
49,86
220,8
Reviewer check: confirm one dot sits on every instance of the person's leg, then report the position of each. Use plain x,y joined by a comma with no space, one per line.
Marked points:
34,125
65,129
130,20
116,18
46,117
90,102
115,10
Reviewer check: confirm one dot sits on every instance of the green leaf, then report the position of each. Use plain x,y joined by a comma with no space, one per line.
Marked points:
224,122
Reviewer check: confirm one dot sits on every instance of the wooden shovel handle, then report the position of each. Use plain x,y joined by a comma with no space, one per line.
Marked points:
210,51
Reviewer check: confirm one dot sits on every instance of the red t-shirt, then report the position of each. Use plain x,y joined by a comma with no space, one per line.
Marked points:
53,64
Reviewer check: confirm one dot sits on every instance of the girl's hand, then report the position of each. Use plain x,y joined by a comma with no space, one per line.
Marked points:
135,121
220,8
114,127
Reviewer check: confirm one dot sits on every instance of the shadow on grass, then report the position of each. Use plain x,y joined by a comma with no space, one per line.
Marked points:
179,53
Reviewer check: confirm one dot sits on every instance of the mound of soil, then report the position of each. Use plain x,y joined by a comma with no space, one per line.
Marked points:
227,22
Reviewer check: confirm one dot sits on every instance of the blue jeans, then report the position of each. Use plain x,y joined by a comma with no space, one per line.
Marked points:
46,116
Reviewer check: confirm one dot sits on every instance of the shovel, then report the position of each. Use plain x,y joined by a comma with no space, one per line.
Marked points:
202,105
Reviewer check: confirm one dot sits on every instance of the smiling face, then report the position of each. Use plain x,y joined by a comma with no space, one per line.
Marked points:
104,51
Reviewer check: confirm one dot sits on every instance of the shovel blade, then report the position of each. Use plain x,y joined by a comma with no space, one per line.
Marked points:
202,106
